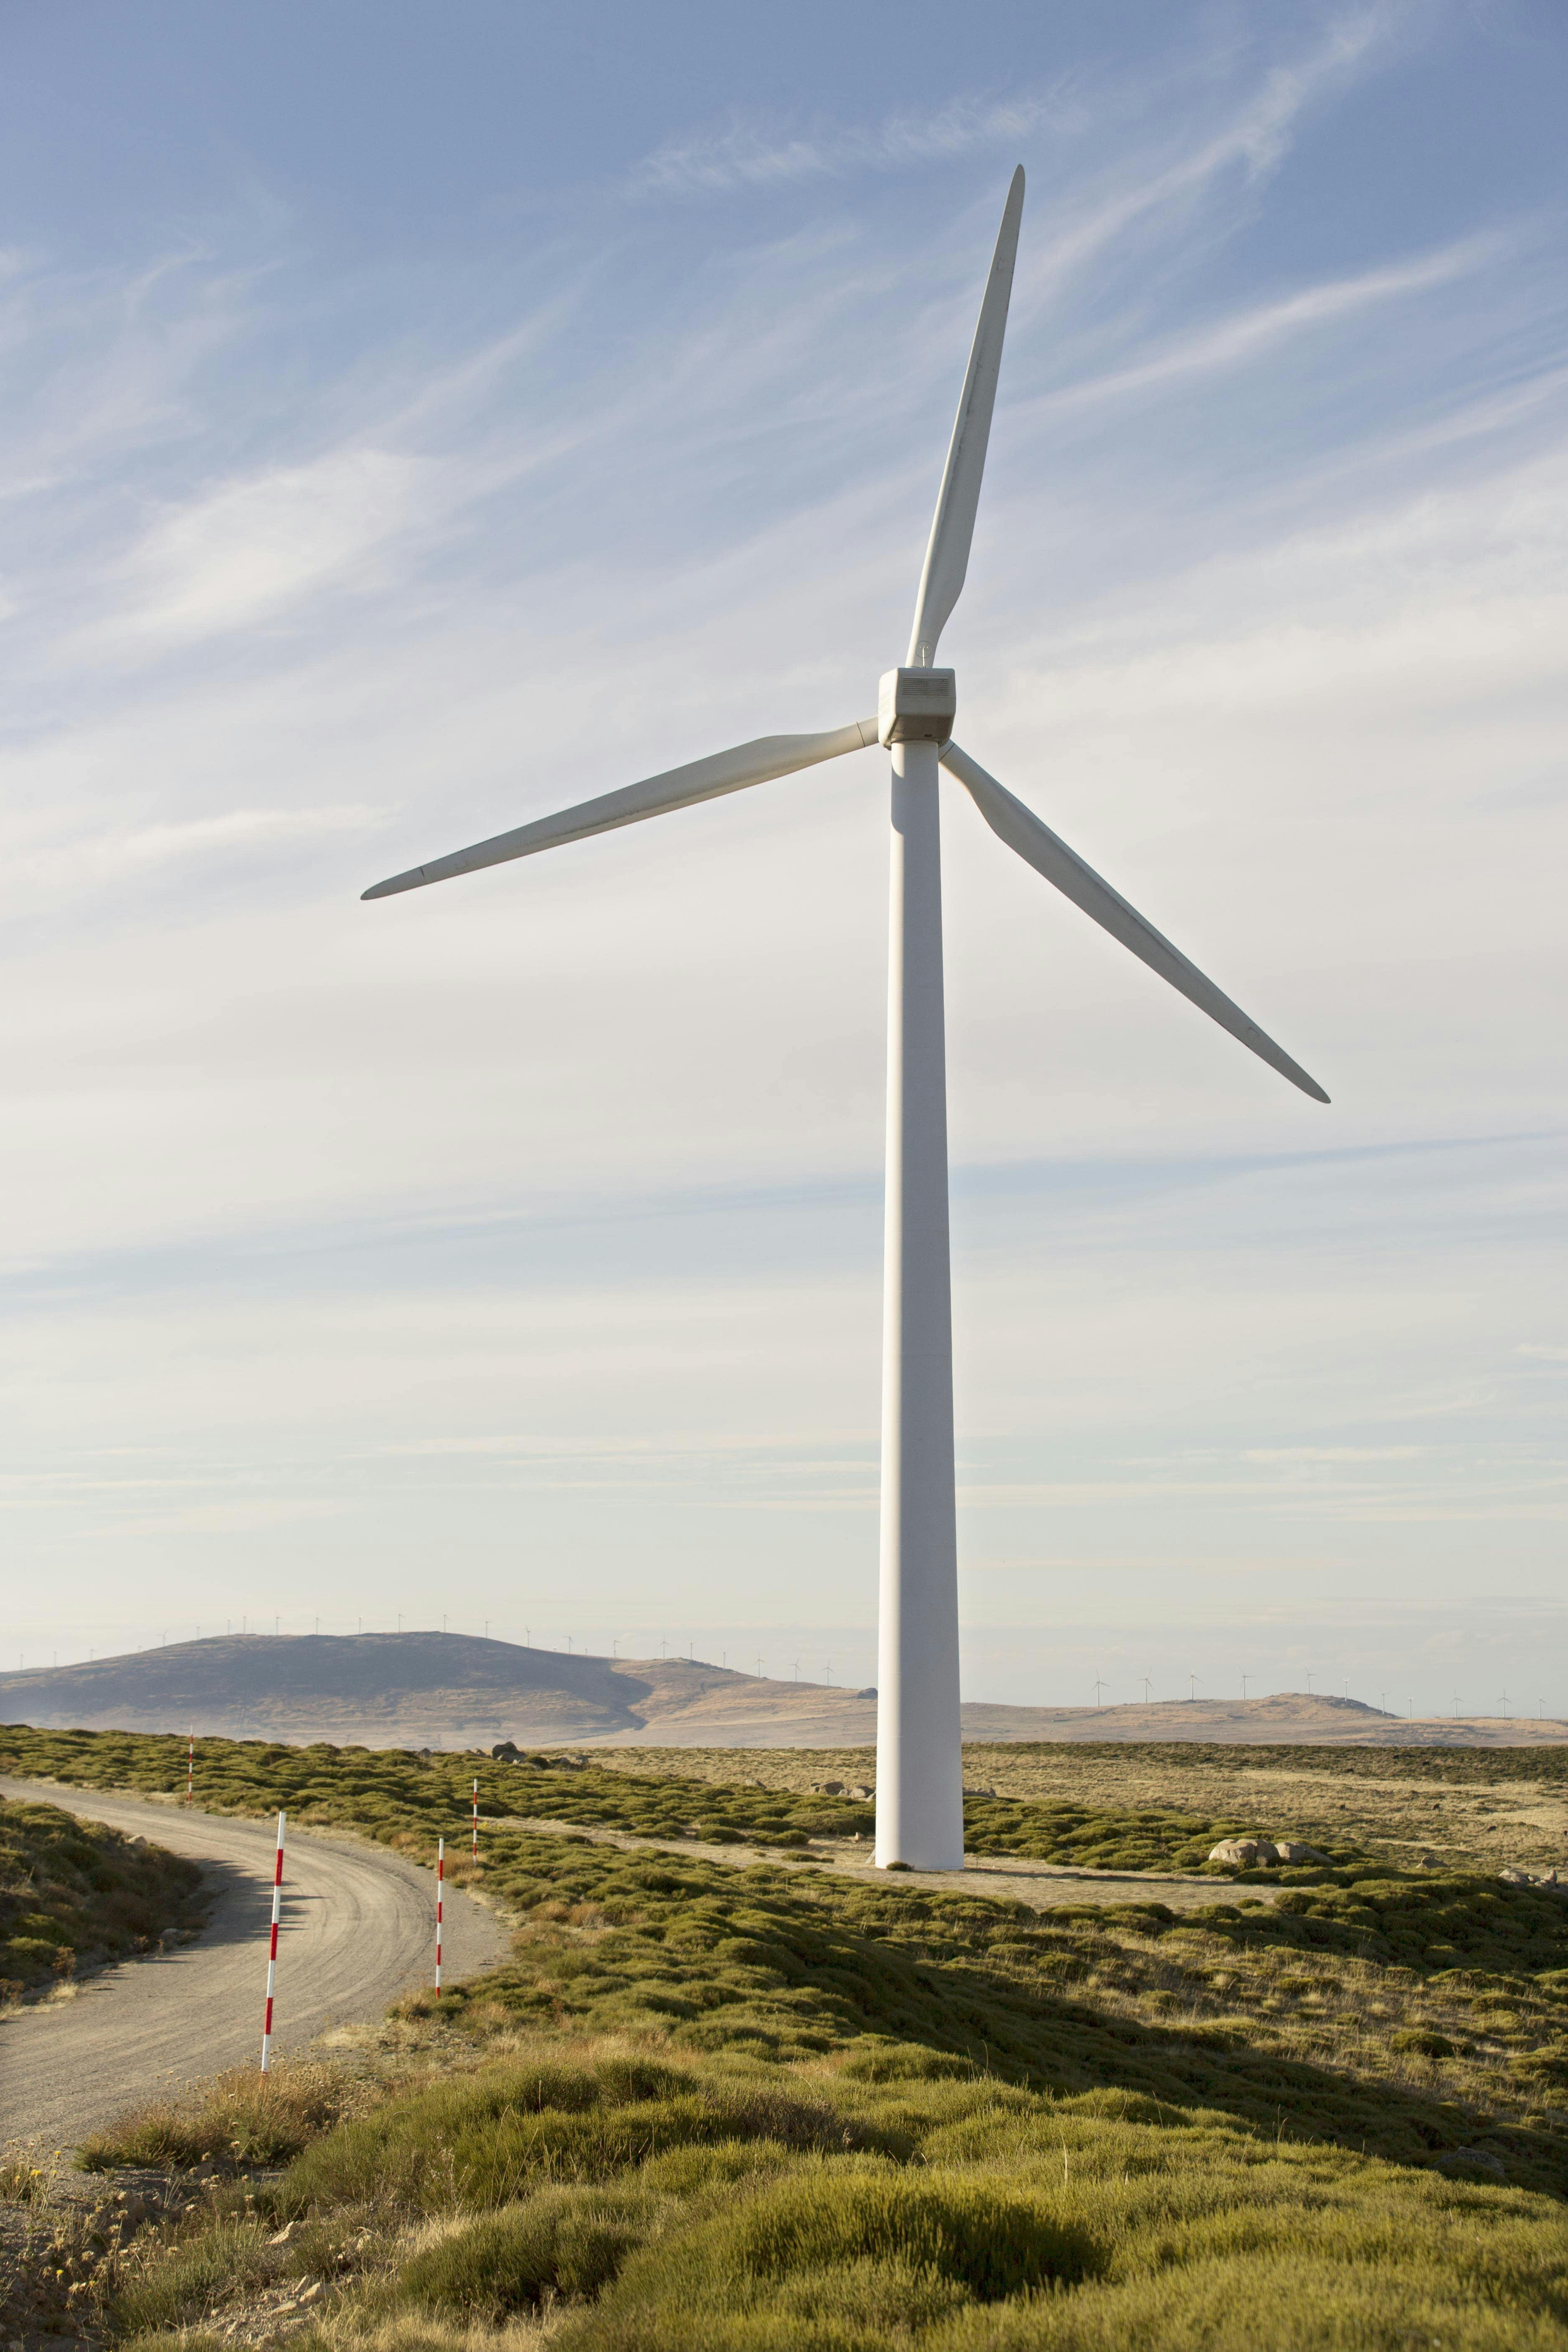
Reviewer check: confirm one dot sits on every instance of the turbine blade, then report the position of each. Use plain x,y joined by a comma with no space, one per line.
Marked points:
700,779
1038,846
952,526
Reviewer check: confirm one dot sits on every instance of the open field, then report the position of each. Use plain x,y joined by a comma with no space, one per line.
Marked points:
453,1691
1479,1808
709,2101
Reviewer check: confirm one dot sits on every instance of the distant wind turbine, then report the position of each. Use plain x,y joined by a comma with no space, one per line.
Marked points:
920,1790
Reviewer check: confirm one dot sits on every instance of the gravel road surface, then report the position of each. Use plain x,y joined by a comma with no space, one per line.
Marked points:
357,1929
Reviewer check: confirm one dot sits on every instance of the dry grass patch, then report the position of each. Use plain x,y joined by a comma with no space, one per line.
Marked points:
240,2120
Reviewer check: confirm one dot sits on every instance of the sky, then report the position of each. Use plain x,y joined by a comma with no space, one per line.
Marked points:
414,420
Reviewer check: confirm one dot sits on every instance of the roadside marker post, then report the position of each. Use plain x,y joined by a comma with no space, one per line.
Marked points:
272,1948
441,1889
475,1852
191,1766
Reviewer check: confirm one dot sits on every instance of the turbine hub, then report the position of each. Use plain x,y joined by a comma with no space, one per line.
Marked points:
917,706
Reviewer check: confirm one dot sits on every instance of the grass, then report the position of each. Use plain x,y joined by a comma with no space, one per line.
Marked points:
242,2118
73,1894
775,2106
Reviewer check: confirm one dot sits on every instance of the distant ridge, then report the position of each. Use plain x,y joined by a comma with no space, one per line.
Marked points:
420,1689
455,1690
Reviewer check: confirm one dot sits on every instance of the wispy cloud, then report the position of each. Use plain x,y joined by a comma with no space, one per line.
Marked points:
1172,173
104,367
1250,335
759,154
752,155
104,858
1333,1453
249,549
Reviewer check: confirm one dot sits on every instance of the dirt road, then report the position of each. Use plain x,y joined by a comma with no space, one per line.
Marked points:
357,1930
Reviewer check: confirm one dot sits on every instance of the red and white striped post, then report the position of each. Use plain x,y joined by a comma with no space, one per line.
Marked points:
191,1766
475,1855
272,1948
441,1889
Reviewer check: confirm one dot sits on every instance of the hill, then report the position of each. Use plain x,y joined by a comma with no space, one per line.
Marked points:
455,1690
418,1689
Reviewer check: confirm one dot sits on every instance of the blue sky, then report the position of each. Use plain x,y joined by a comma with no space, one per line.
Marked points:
416,419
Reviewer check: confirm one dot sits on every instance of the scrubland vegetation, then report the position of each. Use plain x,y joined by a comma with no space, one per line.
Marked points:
1471,1807
74,1894
391,1791
774,2106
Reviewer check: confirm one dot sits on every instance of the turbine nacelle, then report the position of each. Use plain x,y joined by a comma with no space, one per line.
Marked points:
916,706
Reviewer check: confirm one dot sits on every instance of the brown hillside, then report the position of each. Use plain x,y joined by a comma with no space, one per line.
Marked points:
420,1689
453,1690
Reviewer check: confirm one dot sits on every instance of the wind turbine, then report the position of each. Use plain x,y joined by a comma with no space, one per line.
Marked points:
919,1793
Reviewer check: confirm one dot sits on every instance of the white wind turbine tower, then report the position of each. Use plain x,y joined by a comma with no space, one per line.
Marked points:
920,1796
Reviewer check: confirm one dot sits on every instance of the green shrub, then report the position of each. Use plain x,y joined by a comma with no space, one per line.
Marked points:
1422,2042
906,2062
30,1956
481,2141
74,1891
836,2247
562,2243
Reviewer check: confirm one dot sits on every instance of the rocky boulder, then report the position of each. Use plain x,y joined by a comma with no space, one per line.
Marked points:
1246,1852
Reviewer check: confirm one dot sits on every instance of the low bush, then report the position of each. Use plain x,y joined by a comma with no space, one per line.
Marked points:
479,2141
241,2118
562,2242
1107,2239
